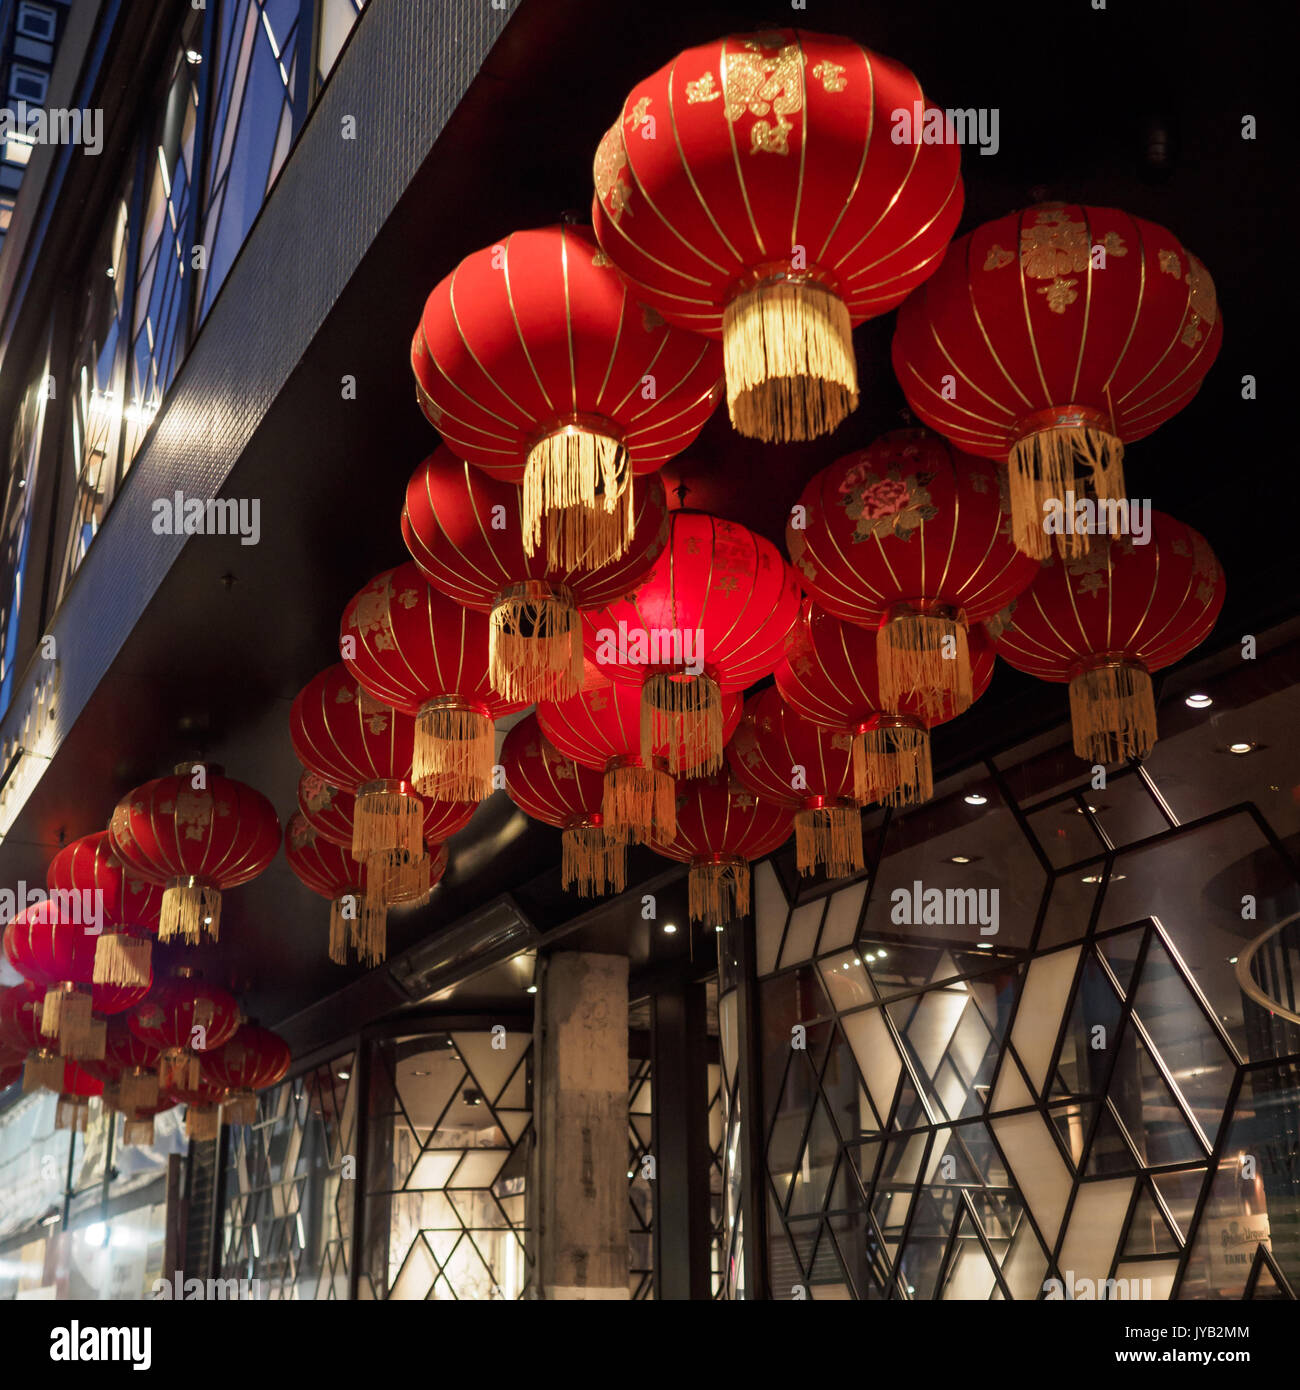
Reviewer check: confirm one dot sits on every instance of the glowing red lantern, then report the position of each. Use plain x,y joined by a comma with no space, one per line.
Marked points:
722,827
89,866
327,809
1105,620
763,189
788,760
600,728
253,1060
558,791
1051,338
830,676
533,362
199,833
22,1008
183,1017
912,538
424,654
202,1100
710,619
130,1065
465,530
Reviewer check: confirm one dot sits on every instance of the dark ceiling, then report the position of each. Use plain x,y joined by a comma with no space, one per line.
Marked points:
1131,106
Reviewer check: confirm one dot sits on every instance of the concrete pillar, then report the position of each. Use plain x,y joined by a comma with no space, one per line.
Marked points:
580,1105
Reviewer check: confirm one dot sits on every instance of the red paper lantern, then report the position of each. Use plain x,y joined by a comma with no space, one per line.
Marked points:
721,827
1051,338
830,676
364,748
534,363
183,1017
912,538
89,866
773,189
422,653
465,530
202,1100
253,1060
22,1009
710,619
327,809
60,955
198,833
130,1064
600,728
1105,620
788,760
558,791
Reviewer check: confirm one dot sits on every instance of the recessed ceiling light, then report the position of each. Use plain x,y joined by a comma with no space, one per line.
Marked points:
670,927
983,946
1198,701
960,859
532,989
719,927
1240,748
975,799
880,955
344,1075
1232,960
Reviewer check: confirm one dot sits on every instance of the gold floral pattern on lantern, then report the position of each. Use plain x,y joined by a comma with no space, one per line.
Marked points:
193,812
702,89
611,160
894,505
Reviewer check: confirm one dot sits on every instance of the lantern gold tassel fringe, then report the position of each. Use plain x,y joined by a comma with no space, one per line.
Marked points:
910,650
72,1112
535,643
831,836
65,1015
591,863
719,891
191,909
788,356
683,716
578,489
639,804
43,1071
395,876
387,817
122,960
88,1046
1043,466
454,746
241,1108
360,920
1113,713
138,1131
896,762
178,1070
202,1122
138,1090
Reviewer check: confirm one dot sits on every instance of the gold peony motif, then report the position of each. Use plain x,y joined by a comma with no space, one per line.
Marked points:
891,505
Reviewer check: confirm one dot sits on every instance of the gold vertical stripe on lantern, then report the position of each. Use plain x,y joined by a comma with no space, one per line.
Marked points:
191,909
386,817
535,643
122,960
1113,712
454,747
788,356
896,757
639,802
578,489
831,836
718,890
591,863
65,1014
1043,465
924,658
683,715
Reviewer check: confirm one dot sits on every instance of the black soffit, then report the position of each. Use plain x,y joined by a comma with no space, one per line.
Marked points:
1111,108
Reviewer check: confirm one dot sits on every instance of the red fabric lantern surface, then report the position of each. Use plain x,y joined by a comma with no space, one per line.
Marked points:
721,827
364,748
1105,620
774,189
1056,362
183,1017
558,791
534,363
253,1060
465,530
601,728
330,812
60,955
830,676
202,1100
788,760
126,900
419,651
710,619
912,538
199,833
130,1064
22,1008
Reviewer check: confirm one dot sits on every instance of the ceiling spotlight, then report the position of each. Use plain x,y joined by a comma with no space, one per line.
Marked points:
344,1075
984,946
975,799
960,859
530,989
1232,960
193,57
670,927
880,955
719,927
1198,701
111,272
1240,748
